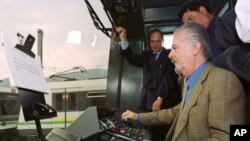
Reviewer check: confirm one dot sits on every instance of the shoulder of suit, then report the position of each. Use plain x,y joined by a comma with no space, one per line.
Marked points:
166,51
219,71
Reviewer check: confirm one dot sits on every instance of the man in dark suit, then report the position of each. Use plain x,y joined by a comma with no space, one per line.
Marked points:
213,98
160,89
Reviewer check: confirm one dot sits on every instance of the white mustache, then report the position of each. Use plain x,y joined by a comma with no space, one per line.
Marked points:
173,61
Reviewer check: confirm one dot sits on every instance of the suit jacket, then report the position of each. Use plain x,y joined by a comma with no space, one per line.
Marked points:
236,57
216,102
227,37
226,33
159,78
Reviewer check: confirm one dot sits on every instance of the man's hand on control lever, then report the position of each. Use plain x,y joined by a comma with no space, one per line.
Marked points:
129,115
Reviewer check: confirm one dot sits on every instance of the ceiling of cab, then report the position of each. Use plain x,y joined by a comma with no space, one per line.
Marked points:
135,15
161,3
126,13
161,11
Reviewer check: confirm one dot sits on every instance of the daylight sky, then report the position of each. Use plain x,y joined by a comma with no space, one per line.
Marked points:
57,18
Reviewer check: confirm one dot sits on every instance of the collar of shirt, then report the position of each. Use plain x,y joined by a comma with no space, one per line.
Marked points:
195,75
158,53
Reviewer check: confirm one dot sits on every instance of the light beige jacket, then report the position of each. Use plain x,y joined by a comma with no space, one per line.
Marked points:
217,101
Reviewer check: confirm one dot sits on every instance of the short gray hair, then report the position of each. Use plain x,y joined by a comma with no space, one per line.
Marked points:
194,32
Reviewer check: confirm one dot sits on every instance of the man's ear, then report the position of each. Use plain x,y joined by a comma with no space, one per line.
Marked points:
197,48
203,10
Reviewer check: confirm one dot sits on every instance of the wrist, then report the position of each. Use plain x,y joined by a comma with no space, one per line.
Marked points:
124,44
137,121
135,117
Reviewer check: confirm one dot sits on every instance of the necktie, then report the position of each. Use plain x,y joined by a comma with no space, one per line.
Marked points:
155,56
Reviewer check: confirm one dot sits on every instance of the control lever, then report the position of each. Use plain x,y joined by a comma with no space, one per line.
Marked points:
127,123
110,122
103,125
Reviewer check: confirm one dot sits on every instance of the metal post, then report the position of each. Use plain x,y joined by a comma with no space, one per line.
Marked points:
65,108
40,44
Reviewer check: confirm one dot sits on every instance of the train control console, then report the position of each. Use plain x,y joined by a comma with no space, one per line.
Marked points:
98,124
120,130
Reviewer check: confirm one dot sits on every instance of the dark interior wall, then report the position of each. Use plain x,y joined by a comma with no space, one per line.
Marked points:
124,80
131,80
114,74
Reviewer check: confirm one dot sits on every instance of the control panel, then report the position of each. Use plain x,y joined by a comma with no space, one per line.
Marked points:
120,130
98,124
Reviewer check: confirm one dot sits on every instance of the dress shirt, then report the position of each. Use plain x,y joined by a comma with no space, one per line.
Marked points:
191,80
124,45
157,54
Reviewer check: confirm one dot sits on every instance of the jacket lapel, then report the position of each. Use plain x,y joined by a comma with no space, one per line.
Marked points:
184,112
184,92
162,55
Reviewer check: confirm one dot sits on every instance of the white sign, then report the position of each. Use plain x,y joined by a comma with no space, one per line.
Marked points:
24,71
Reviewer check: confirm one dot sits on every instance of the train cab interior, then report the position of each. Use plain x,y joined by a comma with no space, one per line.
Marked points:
139,18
